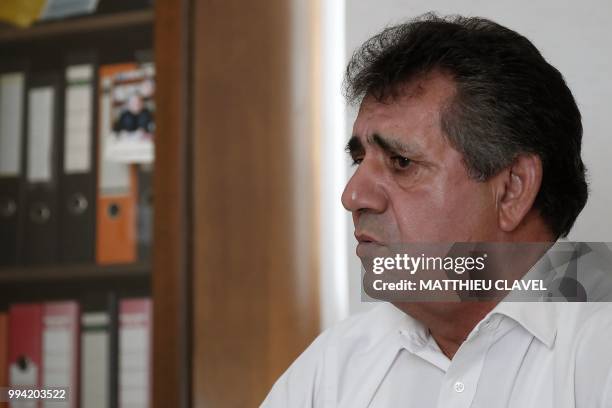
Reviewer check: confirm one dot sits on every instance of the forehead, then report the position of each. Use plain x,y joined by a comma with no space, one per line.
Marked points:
414,111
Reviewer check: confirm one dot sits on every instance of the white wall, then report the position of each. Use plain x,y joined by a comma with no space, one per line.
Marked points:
574,36
334,304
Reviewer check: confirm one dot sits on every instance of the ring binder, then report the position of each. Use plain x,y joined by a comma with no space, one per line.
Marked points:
12,106
77,209
41,190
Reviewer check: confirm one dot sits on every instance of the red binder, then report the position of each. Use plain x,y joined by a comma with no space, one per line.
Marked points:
25,345
135,322
60,348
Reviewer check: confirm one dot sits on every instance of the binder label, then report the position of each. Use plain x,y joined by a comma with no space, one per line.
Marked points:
78,119
40,134
11,105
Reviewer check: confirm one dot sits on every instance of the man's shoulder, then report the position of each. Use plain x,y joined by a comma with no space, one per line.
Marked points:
354,334
586,324
304,382
588,329
584,319
367,328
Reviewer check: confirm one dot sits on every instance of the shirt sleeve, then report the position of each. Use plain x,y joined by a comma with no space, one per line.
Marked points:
300,385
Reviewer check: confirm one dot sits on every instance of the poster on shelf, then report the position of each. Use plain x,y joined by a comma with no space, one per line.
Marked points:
132,127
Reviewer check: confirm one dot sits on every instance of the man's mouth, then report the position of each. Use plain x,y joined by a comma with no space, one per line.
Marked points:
368,245
366,238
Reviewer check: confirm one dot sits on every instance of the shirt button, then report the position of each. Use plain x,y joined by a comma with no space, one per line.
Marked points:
459,386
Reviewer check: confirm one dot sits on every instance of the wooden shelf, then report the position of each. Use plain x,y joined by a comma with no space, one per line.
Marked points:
58,273
78,25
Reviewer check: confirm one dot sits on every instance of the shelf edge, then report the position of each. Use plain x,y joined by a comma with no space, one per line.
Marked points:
78,25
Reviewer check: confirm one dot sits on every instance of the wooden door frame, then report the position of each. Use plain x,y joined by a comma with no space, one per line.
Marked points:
172,255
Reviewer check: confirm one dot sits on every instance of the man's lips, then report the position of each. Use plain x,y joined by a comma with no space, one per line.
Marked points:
364,238
368,246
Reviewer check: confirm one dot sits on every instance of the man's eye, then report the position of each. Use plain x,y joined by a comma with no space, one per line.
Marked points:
400,163
356,161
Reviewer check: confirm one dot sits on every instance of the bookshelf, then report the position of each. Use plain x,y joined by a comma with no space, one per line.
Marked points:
117,32
44,46
79,272
75,282
234,267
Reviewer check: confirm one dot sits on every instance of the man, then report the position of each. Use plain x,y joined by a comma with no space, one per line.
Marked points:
464,134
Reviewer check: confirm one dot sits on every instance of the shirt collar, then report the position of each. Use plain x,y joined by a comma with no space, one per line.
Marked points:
538,318
401,325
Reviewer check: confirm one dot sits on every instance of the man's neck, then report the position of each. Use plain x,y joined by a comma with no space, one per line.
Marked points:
449,323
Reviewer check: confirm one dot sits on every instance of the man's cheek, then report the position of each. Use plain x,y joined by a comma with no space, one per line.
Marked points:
417,222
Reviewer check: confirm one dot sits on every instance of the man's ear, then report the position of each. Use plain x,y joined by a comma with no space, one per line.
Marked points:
518,186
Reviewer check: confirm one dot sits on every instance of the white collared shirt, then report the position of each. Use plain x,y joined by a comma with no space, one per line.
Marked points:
521,355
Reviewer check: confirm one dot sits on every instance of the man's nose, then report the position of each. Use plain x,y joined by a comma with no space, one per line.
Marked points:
364,191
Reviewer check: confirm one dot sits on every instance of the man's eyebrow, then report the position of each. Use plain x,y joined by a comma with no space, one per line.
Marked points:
393,146
354,145
388,145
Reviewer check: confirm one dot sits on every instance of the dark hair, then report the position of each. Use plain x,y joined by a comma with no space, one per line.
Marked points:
508,101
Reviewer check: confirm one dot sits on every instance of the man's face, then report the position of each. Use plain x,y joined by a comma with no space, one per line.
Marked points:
135,104
410,184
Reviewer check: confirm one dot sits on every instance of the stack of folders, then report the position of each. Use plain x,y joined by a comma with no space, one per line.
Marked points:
56,345
76,154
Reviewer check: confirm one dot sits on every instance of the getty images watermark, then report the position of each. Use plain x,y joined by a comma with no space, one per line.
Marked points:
562,271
